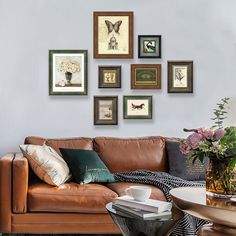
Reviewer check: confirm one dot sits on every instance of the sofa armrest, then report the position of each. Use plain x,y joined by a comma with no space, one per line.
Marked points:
20,175
6,192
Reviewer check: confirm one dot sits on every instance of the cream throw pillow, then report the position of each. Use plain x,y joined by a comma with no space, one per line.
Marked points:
47,164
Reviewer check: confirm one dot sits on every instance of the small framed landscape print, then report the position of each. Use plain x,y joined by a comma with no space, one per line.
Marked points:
109,76
68,72
105,110
180,76
145,76
149,46
113,34
137,107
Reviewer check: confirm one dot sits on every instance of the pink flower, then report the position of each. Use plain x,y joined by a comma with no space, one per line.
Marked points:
219,133
184,148
193,140
206,133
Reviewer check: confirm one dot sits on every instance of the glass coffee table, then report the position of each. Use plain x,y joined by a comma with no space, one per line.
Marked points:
220,211
134,226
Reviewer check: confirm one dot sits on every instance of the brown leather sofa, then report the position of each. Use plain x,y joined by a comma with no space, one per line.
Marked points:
27,205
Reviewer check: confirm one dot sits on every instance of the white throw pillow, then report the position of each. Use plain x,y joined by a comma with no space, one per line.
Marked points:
47,164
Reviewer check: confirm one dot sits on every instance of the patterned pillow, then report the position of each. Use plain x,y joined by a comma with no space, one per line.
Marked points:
181,166
46,164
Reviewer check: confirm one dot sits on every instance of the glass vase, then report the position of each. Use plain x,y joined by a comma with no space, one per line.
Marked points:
220,178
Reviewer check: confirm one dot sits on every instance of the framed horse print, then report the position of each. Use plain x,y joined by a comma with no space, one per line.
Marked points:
137,107
113,34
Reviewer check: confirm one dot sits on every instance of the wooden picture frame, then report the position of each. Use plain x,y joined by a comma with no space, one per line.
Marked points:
68,72
137,107
149,46
145,76
113,34
109,76
180,76
105,110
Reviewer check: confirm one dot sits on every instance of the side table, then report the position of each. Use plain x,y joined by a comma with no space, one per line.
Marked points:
134,226
221,212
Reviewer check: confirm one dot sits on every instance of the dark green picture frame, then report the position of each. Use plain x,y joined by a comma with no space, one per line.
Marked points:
65,86
185,78
130,109
101,76
112,111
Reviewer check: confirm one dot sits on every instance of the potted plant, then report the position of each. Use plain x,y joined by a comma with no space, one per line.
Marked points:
218,144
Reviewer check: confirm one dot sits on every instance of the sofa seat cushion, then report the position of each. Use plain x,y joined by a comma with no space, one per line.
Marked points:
69,197
120,187
130,154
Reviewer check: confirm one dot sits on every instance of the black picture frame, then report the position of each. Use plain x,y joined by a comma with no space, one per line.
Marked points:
149,46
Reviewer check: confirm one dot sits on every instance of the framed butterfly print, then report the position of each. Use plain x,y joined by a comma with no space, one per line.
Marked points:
113,34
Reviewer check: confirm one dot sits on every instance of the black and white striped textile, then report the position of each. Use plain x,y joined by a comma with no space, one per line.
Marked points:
189,225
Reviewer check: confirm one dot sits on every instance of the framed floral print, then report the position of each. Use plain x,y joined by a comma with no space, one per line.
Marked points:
145,76
180,76
105,110
137,107
113,34
149,46
109,76
68,72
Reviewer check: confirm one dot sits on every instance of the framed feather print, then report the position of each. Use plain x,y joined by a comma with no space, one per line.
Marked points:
113,34
180,76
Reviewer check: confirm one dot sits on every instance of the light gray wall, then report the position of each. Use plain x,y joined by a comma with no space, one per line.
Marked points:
200,30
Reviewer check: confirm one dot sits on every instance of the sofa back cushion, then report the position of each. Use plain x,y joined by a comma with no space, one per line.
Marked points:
76,143
129,154
34,140
73,143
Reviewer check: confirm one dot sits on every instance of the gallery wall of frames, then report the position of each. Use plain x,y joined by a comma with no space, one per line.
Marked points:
113,37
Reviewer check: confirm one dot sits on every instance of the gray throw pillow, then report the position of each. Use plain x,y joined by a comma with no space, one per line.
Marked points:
181,166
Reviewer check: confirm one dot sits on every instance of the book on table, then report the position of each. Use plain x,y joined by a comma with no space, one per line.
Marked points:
146,215
150,205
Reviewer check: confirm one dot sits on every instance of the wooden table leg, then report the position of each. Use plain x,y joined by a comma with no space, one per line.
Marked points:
216,230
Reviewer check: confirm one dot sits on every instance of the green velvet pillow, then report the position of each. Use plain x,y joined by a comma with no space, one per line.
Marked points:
86,166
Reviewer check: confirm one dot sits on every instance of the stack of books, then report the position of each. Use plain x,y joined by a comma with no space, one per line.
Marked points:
150,209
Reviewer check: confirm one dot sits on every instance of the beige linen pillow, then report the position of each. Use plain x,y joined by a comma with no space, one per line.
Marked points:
47,164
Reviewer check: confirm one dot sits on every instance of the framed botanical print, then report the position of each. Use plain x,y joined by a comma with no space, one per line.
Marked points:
137,107
105,110
109,76
145,76
149,46
113,34
68,72
180,76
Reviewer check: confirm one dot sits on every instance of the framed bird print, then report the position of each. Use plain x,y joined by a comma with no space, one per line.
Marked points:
137,107
113,34
149,46
180,76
